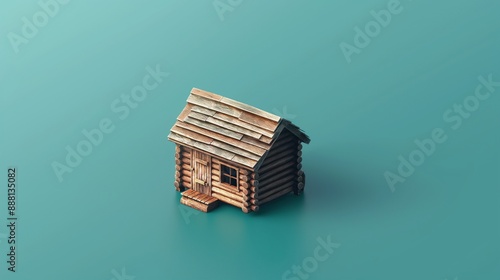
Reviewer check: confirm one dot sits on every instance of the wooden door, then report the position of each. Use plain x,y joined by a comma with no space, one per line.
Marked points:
201,181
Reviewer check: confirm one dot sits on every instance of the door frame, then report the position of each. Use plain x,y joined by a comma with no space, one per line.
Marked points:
206,160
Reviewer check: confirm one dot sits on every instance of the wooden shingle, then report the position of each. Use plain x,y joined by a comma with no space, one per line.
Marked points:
227,129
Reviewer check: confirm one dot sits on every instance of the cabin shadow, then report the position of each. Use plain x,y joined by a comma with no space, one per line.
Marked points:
289,203
339,187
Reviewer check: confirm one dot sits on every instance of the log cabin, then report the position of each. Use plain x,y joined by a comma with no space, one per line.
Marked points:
227,151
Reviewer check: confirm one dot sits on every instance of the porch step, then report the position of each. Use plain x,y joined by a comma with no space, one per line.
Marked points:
199,201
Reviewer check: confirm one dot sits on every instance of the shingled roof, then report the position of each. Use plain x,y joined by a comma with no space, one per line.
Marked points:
229,129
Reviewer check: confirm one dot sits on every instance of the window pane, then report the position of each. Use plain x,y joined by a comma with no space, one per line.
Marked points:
233,172
233,182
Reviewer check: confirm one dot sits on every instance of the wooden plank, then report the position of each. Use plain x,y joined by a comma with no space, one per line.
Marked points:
255,142
201,146
266,139
263,131
198,116
186,193
213,128
192,135
231,141
235,150
250,109
194,204
185,112
258,121
206,94
211,200
244,161
203,198
195,195
232,127
213,105
202,110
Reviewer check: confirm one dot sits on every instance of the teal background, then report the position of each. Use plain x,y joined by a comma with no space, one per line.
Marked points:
118,208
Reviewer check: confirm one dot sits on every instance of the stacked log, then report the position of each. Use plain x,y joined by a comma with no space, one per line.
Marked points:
244,188
253,190
301,177
183,167
278,174
224,193
177,182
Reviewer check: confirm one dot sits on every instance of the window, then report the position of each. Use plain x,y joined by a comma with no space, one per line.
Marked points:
229,175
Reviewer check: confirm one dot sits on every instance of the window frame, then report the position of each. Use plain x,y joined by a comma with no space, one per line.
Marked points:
221,175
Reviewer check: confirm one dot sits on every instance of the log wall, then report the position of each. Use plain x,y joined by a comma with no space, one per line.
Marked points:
182,168
279,174
236,196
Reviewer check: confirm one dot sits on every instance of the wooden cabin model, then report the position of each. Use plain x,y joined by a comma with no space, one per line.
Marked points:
235,153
